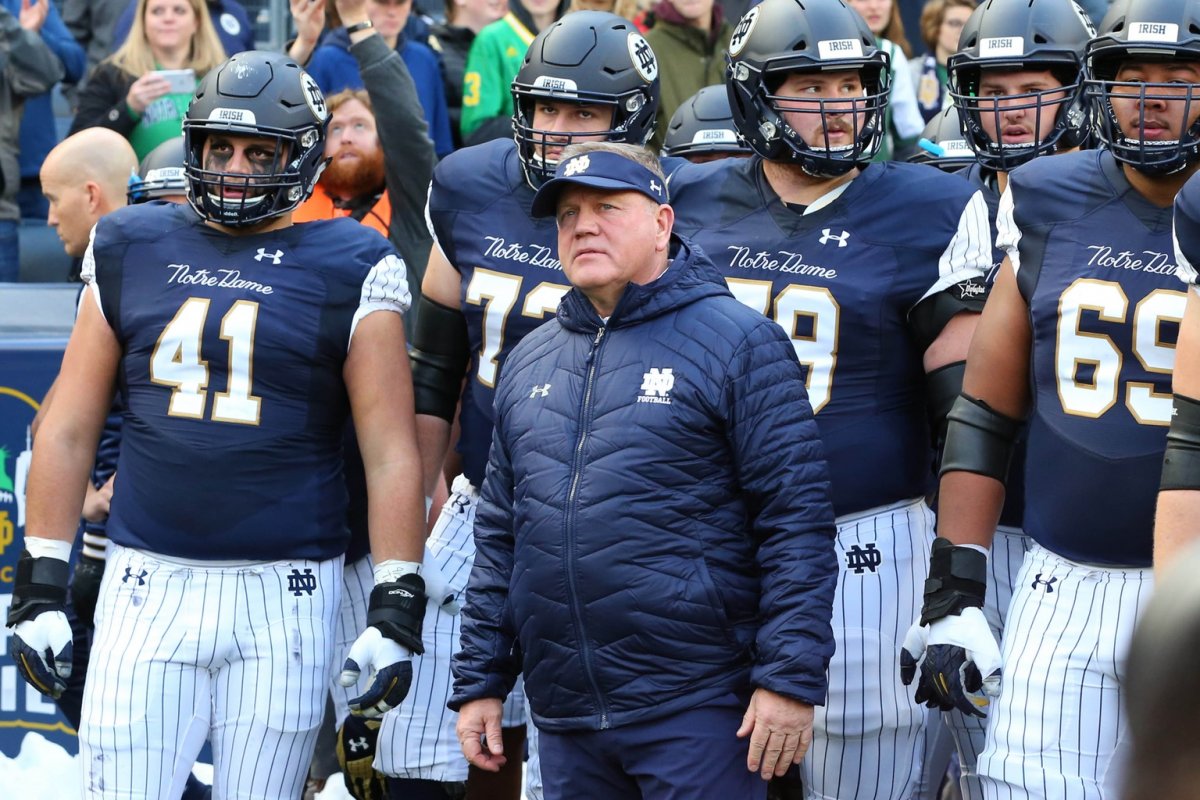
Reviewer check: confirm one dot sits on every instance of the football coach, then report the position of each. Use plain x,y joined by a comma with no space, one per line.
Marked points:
655,534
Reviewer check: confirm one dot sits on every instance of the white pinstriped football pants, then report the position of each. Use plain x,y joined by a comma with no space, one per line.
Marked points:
1058,730
188,650
869,737
417,739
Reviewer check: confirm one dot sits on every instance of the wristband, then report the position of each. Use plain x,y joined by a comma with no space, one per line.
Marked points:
360,26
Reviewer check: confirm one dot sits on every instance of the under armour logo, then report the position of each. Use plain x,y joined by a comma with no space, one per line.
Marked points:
576,166
302,582
275,257
828,236
360,743
140,577
657,385
1049,584
860,560
654,187
540,391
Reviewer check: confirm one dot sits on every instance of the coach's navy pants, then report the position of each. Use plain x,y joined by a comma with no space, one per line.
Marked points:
693,754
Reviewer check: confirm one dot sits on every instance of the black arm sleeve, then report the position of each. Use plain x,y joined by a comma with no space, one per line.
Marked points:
440,353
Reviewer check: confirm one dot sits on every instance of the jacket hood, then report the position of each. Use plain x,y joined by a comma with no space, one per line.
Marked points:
690,276
526,18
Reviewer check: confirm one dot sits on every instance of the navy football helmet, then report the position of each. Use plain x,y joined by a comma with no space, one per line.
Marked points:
587,57
160,174
1018,35
703,125
778,37
256,93
942,144
1146,30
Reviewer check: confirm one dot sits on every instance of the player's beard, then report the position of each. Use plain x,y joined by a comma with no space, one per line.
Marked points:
348,180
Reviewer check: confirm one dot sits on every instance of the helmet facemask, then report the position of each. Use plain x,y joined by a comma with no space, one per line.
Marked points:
1150,156
1064,105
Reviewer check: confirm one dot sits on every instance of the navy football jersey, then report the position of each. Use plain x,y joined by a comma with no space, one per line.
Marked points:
841,279
1094,263
1187,231
512,279
233,350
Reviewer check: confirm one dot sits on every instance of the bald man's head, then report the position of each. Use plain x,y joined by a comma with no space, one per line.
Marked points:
84,178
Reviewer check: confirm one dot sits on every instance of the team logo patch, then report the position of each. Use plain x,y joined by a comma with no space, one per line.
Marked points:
1048,583
657,385
313,96
861,559
302,582
230,24
827,236
1153,32
576,166
129,576
1002,46
643,57
971,290
839,48
741,34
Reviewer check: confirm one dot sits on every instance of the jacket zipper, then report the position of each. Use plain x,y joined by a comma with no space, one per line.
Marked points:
569,523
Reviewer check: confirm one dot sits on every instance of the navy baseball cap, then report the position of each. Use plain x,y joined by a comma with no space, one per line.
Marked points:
599,169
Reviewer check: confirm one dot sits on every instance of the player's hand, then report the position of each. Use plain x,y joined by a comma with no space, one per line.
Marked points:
356,743
394,616
33,14
479,733
96,502
85,587
959,662
437,586
780,731
41,641
145,90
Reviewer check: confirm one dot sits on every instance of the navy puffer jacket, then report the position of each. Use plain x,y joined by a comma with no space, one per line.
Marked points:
655,529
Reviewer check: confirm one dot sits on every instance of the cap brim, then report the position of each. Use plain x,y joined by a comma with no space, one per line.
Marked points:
545,202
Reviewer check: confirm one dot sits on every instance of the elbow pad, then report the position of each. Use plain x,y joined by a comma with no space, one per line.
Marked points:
979,439
1181,461
942,388
440,353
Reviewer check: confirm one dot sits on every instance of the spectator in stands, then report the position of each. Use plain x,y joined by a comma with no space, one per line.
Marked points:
941,24
126,92
690,38
452,40
334,67
39,131
30,68
903,120
495,58
229,19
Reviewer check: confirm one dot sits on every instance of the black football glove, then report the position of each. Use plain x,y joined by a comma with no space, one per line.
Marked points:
952,641
356,753
42,641
395,614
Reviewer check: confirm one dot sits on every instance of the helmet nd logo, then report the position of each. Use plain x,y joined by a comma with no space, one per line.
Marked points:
741,34
643,57
314,97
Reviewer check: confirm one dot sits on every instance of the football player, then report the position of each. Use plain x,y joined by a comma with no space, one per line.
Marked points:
240,345
1017,85
1079,335
876,273
493,276
702,129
